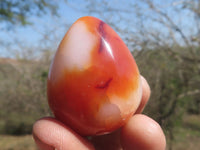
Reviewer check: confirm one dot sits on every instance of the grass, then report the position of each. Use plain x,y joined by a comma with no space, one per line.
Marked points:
8,142
186,137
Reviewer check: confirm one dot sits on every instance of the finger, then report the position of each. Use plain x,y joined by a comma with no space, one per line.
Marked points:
146,92
142,133
50,134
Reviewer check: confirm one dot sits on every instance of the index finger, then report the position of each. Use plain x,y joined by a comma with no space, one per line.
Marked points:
146,92
142,133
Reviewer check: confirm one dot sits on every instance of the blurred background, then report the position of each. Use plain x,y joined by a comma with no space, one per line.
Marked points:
163,36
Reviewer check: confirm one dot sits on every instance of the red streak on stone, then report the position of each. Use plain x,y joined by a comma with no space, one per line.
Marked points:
103,84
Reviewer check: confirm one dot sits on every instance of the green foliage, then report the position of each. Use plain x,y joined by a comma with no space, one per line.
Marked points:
18,124
174,81
23,95
12,12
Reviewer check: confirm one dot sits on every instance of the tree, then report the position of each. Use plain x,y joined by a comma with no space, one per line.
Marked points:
17,12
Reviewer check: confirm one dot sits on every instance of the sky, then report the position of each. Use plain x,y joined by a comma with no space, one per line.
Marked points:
47,31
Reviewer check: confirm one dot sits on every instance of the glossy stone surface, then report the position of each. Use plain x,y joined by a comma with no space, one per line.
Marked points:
94,84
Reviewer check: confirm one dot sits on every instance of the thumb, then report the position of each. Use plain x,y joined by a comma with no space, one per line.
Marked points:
50,134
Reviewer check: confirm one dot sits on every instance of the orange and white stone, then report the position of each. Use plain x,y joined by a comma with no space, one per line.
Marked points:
94,84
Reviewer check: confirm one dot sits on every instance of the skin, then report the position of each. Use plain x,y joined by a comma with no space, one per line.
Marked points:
139,133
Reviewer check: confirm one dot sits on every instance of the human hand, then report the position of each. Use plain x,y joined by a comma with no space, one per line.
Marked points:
140,133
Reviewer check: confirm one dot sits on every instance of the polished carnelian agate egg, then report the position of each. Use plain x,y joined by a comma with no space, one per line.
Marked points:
94,85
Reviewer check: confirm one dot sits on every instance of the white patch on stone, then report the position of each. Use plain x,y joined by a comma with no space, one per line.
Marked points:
74,51
108,113
131,104
77,48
